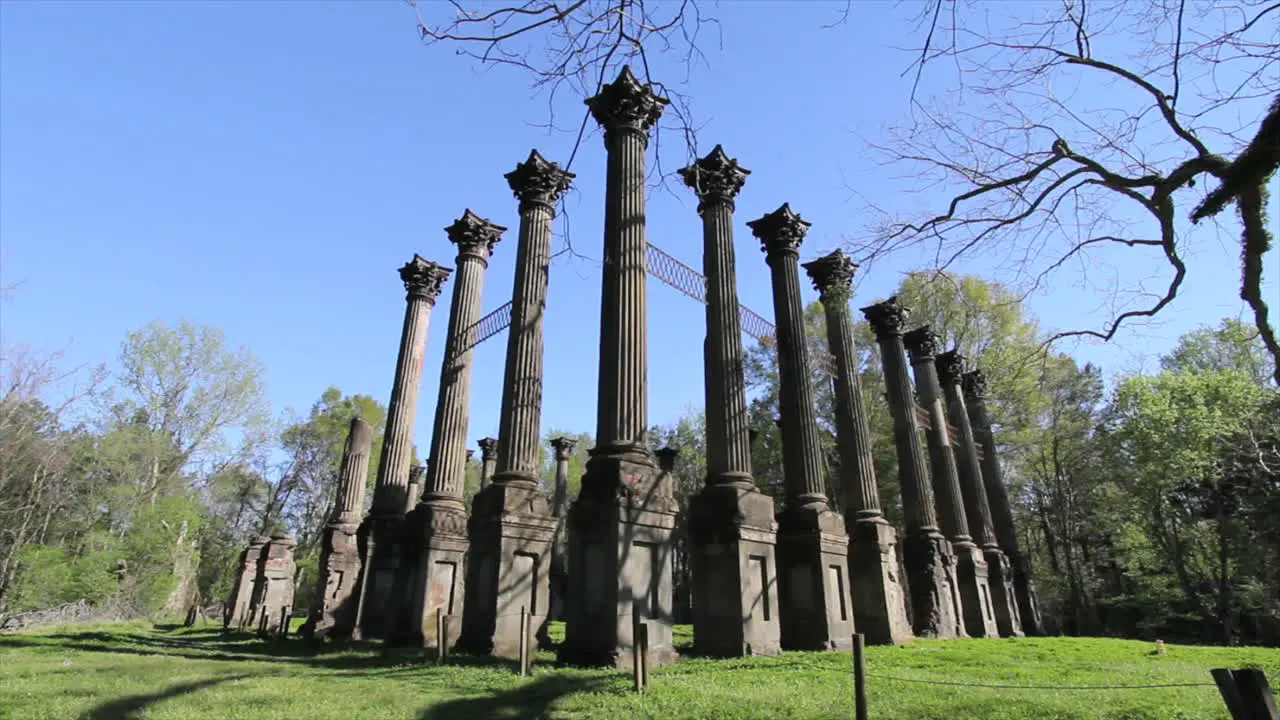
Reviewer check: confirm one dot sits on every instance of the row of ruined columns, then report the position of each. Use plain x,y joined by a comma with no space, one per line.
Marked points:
800,576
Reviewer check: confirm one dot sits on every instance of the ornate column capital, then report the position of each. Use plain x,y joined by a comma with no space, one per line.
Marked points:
922,344
975,384
627,105
488,448
667,458
470,454
832,275
887,318
951,366
563,446
716,178
423,279
780,232
474,236
416,472
537,181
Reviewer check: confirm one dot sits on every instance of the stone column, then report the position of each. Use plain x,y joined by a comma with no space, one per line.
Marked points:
927,555
332,612
488,459
436,537
1028,601
563,449
512,528
620,527
813,553
731,523
416,474
971,568
240,605
379,533
878,599
951,366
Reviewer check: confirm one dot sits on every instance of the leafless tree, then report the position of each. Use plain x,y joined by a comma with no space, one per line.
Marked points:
1082,134
1078,134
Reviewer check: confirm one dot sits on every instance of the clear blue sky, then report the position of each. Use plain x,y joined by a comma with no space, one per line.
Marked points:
266,168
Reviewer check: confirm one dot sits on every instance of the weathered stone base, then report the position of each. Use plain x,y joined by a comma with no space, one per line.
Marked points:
930,568
511,530
1003,599
380,540
1028,599
432,575
735,598
620,544
813,580
333,610
879,609
975,592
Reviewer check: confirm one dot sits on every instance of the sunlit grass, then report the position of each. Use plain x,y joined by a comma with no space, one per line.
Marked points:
137,670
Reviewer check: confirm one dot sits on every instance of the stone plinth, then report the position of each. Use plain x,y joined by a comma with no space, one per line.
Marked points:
240,604
332,609
812,550
974,385
380,534
879,608
732,528
620,525
275,580
971,567
927,556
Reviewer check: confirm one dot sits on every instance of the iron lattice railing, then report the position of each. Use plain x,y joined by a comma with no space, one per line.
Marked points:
490,325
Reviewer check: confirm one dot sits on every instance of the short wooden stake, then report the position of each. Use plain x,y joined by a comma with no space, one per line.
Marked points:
284,622
442,640
859,677
639,651
524,641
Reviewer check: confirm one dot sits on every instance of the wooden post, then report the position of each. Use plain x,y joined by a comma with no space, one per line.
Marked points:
524,641
1246,694
639,651
284,622
442,639
859,677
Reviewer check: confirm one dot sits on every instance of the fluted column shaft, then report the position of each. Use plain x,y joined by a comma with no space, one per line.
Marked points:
488,459
475,238
913,473
538,184
802,450
950,366
921,345
354,471
832,276
423,281
717,179
622,406
993,479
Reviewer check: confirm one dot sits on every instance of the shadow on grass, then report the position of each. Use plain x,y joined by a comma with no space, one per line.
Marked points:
135,706
532,700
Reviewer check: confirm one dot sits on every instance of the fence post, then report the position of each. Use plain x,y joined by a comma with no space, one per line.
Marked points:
1255,694
524,641
639,651
859,677
284,623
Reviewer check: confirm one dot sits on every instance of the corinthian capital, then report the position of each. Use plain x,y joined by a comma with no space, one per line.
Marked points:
780,232
563,447
626,105
716,178
423,278
975,385
922,344
832,274
950,365
537,181
474,236
887,318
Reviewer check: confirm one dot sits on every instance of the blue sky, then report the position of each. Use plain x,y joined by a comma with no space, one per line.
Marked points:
266,168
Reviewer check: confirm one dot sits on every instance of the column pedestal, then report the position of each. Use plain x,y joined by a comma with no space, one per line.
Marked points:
813,582
1004,601
931,579
379,540
435,550
620,531
334,612
975,591
878,599
735,597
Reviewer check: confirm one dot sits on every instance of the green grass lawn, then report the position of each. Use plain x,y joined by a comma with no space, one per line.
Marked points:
143,671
